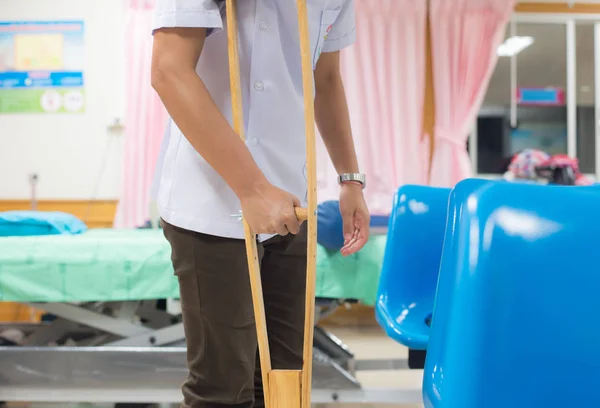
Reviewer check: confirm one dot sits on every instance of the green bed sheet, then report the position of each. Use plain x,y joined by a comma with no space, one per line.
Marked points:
118,265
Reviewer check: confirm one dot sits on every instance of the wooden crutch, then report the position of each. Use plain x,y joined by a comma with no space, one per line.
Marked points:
282,388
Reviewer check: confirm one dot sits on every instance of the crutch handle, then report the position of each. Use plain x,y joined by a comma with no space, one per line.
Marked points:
301,213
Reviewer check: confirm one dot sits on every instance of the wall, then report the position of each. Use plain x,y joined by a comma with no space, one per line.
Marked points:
75,156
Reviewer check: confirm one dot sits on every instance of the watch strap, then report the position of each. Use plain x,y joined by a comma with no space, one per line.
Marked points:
353,177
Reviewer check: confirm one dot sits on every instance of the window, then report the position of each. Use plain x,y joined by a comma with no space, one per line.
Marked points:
540,50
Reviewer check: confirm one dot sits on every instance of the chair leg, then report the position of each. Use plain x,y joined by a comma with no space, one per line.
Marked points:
416,359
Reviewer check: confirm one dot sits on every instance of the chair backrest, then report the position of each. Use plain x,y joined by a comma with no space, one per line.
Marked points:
456,207
411,262
521,326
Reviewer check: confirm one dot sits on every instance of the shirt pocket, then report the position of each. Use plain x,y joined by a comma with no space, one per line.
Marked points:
327,20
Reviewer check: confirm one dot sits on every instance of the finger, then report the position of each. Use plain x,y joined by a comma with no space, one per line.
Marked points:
262,229
355,247
360,241
349,243
362,224
281,230
292,223
346,241
360,237
348,224
365,230
296,201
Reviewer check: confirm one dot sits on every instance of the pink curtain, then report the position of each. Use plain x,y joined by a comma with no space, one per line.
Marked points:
145,119
465,36
384,77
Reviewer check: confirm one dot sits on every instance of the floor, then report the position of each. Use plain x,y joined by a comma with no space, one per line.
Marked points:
369,342
366,340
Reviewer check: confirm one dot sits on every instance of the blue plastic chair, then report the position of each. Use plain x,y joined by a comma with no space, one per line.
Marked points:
456,207
411,263
516,317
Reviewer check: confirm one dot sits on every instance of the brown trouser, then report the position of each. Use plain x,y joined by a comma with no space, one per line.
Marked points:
216,302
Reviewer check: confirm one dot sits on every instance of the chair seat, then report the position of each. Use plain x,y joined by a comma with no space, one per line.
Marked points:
411,262
421,224
411,327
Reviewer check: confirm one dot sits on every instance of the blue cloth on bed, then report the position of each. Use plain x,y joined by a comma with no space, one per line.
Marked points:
330,226
27,223
379,221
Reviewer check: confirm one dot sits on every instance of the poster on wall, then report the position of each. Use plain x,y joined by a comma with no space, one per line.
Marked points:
41,67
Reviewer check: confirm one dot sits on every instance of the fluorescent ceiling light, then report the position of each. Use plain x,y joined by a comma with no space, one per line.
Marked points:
514,45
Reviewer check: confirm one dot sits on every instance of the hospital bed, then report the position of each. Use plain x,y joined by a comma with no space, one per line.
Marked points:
108,334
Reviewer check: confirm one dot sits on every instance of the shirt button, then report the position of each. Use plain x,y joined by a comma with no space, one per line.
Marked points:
254,142
259,86
263,25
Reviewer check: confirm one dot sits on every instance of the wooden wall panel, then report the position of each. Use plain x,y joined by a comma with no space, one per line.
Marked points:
355,315
564,8
96,214
429,102
18,313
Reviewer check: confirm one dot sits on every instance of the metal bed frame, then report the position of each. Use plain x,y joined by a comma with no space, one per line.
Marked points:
136,375
132,352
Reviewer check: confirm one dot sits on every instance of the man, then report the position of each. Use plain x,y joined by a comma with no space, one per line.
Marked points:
207,174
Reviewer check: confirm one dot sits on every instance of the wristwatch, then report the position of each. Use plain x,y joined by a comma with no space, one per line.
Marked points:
353,177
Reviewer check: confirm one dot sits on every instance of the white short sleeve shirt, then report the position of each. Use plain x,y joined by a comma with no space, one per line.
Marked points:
190,194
